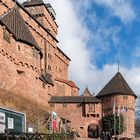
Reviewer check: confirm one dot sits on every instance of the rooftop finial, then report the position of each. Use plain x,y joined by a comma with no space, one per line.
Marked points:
118,65
15,3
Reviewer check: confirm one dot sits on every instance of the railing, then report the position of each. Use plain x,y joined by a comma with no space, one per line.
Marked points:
36,136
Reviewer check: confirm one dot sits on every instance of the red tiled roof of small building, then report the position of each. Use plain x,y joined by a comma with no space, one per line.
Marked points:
70,83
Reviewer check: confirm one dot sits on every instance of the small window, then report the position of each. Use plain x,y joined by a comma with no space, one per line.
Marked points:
78,104
64,105
18,48
49,67
93,115
125,97
81,127
43,85
49,55
91,107
51,104
20,72
98,115
6,36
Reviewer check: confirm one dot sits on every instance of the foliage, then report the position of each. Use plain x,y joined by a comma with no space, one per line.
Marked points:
110,120
137,127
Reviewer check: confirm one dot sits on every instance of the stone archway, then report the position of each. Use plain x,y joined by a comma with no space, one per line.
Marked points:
93,131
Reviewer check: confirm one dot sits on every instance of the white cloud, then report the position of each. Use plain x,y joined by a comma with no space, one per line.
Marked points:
120,8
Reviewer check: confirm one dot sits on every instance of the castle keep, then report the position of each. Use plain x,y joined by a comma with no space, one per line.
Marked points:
34,72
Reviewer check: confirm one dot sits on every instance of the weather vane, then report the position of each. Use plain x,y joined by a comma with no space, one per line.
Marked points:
118,65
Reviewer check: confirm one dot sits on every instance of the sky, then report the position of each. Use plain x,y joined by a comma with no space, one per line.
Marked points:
95,34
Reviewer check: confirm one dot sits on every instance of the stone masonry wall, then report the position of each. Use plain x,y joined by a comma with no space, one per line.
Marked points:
79,121
122,101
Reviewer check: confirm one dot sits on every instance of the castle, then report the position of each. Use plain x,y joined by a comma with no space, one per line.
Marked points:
34,68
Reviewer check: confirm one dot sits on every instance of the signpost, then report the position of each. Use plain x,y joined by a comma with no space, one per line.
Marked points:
12,120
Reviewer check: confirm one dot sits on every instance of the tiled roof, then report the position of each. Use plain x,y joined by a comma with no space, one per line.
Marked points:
15,24
60,80
33,3
72,84
46,78
117,85
63,53
86,92
73,99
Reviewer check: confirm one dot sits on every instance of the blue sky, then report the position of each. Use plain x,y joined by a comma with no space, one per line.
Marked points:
97,16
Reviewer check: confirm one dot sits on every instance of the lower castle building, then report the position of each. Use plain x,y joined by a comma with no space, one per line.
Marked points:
34,73
85,112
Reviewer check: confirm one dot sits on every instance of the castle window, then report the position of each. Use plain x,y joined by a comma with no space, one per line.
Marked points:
81,127
49,55
18,48
91,107
6,36
20,72
125,97
51,104
49,67
64,105
98,115
43,85
93,115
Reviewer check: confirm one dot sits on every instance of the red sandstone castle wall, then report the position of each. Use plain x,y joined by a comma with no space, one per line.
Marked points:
79,122
42,14
24,61
122,101
20,73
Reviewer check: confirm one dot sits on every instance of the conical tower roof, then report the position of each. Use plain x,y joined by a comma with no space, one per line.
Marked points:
117,85
86,92
33,3
15,24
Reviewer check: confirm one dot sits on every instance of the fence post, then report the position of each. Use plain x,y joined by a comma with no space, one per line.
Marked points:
7,134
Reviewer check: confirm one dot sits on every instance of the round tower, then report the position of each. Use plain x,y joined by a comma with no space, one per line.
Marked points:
118,95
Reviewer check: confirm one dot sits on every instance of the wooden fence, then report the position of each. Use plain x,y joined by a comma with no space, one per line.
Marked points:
36,136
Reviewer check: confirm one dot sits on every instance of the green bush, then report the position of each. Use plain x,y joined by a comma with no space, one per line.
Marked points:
110,120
